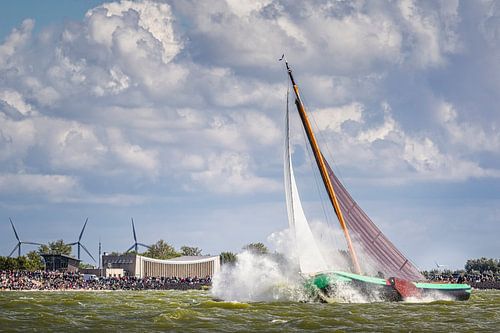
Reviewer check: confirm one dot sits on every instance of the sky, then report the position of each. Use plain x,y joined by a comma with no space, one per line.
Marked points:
172,112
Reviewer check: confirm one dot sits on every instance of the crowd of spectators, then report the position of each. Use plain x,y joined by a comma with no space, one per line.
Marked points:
485,280
41,280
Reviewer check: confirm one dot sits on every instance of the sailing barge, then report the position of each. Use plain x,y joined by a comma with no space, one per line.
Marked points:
401,279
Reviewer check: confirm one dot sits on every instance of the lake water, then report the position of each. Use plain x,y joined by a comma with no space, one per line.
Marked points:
194,311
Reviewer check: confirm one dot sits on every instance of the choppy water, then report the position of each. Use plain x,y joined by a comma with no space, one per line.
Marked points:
149,311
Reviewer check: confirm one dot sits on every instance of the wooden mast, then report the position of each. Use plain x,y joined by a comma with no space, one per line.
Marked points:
322,168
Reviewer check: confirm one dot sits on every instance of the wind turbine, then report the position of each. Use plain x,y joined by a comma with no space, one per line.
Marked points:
19,242
135,246
79,242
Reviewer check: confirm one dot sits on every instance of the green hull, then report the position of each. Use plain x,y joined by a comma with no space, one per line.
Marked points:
328,284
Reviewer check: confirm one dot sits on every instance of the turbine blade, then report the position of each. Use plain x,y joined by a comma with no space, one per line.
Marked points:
133,229
130,248
144,245
14,228
84,248
14,250
74,243
83,229
32,243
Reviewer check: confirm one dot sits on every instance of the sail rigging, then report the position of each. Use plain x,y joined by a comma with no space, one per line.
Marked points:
370,240
311,260
322,169
390,261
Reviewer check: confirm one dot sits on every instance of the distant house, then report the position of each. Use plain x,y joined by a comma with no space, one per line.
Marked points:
60,262
104,272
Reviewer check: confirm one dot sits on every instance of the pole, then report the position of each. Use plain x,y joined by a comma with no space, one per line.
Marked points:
99,254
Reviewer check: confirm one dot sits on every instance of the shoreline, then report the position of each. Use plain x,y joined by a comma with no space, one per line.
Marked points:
101,290
203,287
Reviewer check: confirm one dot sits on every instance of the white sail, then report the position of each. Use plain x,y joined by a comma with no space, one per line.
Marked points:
310,258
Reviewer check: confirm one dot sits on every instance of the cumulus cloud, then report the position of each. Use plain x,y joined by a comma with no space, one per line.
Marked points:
388,150
16,101
354,36
15,42
155,18
148,101
153,92
132,155
16,137
229,173
471,136
56,187
331,119
431,31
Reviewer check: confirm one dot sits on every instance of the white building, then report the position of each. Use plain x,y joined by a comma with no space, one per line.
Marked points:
186,266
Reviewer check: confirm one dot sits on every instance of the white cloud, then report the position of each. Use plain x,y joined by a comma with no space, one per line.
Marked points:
16,100
73,145
430,163
191,162
46,96
54,187
489,26
243,8
382,131
242,130
467,134
161,99
156,18
133,155
14,42
151,90
114,84
331,119
354,36
431,32
16,137
229,173
387,150
259,128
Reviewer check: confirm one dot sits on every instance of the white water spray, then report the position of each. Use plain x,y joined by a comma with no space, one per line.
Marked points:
272,277
255,278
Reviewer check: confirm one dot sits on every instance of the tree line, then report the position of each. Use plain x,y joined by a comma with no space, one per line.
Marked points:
162,250
32,260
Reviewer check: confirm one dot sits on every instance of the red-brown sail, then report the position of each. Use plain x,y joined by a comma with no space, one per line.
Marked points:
389,260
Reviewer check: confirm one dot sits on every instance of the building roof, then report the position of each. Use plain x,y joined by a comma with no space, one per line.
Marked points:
127,259
58,255
189,258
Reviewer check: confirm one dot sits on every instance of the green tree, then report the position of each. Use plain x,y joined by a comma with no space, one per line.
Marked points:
190,251
482,265
84,266
227,258
161,250
9,264
57,247
257,248
3,263
21,263
34,261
